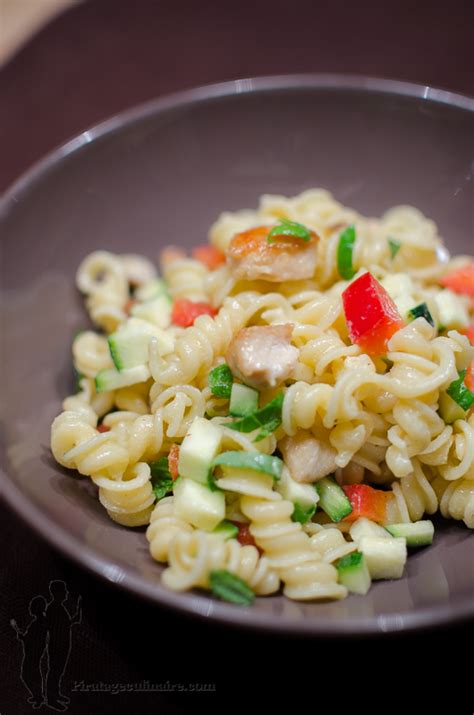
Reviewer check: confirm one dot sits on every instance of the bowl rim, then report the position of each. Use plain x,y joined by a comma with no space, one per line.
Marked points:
194,603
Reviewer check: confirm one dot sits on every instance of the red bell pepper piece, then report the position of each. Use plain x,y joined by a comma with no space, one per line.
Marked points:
209,255
366,501
244,537
103,428
185,311
173,459
469,378
469,333
461,280
371,315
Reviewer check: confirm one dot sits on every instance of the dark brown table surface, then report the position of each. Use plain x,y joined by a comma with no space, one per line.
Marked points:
94,61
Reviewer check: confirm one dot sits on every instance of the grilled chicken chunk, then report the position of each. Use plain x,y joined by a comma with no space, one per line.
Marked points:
262,356
251,257
307,458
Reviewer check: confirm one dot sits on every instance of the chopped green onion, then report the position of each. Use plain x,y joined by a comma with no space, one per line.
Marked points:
161,480
421,311
460,393
344,253
220,381
394,246
251,460
289,228
229,587
268,418
301,514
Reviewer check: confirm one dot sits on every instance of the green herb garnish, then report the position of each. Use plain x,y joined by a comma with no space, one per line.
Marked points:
289,228
229,587
421,311
301,514
344,253
268,418
161,479
460,393
220,381
394,246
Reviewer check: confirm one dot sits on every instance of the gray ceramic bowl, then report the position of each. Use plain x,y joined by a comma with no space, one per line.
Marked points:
159,174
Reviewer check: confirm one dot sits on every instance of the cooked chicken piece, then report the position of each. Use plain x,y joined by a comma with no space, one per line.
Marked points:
251,257
307,458
262,356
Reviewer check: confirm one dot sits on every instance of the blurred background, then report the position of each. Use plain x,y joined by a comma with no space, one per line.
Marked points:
66,65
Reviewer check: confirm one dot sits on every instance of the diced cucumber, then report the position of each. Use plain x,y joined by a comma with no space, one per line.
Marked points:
197,504
365,527
112,379
129,345
156,311
420,533
385,558
303,494
451,310
250,460
332,499
226,529
151,290
449,410
199,449
243,400
353,573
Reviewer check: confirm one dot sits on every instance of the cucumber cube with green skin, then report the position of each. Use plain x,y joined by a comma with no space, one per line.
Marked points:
451,310
332,499
365,527
156,311
353,573
251,460
112,379
385,558
449,410
303,494
227,530
243,400
151,290
197,504
420,533
199,449
129,345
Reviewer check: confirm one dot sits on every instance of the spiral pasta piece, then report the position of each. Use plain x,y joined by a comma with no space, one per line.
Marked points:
91,353
102,278
414,496
164,526
288,548
194,555
129,500
456,499
185,277
76,444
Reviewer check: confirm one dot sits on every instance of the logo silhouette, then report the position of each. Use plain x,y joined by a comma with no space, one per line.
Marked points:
46,647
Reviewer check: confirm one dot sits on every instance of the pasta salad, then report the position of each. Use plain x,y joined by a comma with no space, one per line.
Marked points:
286,406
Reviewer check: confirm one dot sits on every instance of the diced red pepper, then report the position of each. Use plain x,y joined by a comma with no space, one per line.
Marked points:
211,256
244,537
371,315
469,379
366,501
173,459
103,428
185,312
129,305
461,280
469,333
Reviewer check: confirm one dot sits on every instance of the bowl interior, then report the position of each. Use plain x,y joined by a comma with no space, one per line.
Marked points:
162,174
